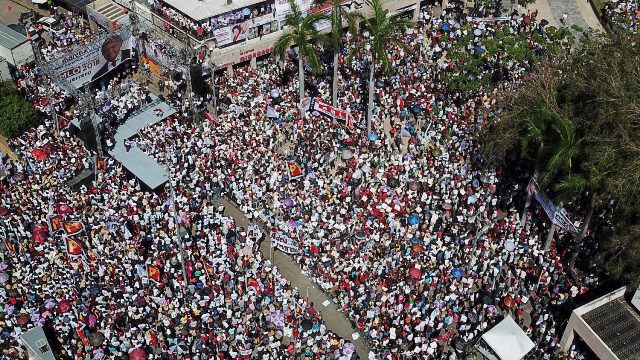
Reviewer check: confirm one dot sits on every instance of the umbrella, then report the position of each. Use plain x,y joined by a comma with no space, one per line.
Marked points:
292,223
97,339
137,354
416,109
3,211
50,303
509,245
413,185
347,154
4,277
417,248
98,354
178,348
385,189
414,219
459,344
39,154
64,306
288,202
479,49
394,183
306,324
509,301
348,349
3,266
445,26
457,272
277,318
415,240
415,273
475,183
477,32
379,84
446,206
9,309
36,319
373,136
360,235
18,176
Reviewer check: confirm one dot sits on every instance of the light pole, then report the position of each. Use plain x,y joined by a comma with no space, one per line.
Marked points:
175,217
213,67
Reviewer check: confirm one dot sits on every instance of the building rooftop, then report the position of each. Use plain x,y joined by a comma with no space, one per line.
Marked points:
10,38
200,10
618,325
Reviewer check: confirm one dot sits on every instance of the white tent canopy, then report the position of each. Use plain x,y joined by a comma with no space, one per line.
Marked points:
508,341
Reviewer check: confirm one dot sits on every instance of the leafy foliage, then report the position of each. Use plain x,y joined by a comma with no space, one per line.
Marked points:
591,100
16,113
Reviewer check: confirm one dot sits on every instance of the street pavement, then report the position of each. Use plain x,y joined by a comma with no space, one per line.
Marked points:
335,320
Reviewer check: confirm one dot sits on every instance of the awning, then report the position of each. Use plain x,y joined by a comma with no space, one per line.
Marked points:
75,5
508,340
39,2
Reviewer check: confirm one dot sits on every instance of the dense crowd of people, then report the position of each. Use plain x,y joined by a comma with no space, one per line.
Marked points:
622,14
420,247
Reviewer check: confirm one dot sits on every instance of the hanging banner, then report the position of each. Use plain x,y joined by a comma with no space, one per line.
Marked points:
94,60
542,198
283,8
558,217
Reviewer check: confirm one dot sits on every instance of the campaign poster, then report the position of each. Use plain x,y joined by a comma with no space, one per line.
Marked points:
283,8
96,59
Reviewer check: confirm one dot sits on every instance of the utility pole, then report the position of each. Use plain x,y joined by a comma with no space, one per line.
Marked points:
213,68
175,218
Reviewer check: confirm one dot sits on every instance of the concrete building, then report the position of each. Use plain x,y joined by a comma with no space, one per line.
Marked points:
609,326
239,31
37,344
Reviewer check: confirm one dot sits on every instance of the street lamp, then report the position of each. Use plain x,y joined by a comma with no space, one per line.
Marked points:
175,217
213,67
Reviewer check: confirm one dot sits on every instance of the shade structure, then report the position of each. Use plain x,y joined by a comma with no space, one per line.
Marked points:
508,341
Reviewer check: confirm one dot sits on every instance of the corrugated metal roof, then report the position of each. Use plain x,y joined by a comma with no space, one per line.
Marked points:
10,38
618,326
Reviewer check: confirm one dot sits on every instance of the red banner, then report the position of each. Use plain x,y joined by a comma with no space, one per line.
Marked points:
74,246
73,227
153,272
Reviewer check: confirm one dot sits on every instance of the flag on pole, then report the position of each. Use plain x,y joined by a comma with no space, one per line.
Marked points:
73,227
294,170
153,272
74,246
101,163
63,122
55,223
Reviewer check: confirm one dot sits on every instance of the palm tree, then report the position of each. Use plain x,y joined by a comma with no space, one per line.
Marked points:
302,32
383,33
335,42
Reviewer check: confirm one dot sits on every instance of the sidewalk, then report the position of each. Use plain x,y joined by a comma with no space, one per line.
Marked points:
335,320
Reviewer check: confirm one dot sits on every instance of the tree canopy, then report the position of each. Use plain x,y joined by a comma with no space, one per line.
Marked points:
16,113
593,94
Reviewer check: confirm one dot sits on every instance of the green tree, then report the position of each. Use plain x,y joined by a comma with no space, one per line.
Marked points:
383,32
16,113
303,33
597,153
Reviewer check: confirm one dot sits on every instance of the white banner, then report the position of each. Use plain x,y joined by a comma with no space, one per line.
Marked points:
94,60
253,232
284,243
283,8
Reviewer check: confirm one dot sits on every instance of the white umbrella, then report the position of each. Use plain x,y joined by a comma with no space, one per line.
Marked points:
347,154
178,348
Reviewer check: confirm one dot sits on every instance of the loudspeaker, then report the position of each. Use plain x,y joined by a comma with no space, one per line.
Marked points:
197,82
88,135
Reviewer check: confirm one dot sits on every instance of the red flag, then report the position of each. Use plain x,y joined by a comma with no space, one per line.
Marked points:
253,283
39,234
55,223
73,227
9,8
64,209
101,163
153,272
74,246
294,170
63,122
